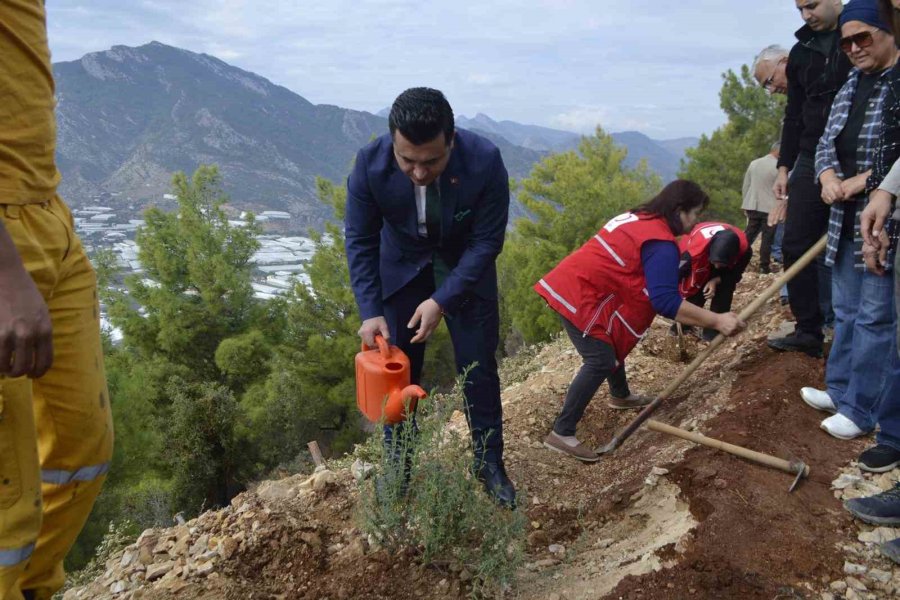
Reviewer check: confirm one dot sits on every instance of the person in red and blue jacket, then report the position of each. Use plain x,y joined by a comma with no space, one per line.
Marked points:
609,291
714,257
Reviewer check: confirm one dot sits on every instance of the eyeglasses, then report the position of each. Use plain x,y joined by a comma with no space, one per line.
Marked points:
768,83
863,39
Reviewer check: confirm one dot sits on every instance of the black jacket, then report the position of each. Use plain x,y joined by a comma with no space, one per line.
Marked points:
813,80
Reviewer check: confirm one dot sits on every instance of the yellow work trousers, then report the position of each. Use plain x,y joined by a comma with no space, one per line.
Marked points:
56,432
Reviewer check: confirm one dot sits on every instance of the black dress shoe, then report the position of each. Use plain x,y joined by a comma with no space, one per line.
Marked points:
493,476
799,341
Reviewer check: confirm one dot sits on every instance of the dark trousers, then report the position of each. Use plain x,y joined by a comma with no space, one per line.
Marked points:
721,300
757,222
807,221
475,332
599,364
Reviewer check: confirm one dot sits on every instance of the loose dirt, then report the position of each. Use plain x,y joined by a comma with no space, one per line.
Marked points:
659,518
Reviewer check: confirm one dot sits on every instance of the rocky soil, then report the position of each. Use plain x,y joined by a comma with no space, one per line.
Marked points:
659,518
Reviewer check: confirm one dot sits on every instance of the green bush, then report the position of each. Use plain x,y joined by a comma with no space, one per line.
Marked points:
445,515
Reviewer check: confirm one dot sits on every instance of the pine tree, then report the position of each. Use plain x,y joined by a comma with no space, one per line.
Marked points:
570,196
719,161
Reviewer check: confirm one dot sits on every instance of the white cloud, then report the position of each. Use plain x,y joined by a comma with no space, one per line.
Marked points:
562,63
581,119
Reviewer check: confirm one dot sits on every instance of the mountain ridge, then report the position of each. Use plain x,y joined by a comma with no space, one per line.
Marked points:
128,117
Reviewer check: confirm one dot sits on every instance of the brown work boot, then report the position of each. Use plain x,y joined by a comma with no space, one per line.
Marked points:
632,401
557,443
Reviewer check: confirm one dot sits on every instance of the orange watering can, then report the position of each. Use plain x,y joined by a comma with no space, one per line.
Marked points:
382,383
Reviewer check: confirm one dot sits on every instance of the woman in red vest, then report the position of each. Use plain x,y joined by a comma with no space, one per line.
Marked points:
714,257
609,290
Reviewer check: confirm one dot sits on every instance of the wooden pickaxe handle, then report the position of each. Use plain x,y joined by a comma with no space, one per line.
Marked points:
753,455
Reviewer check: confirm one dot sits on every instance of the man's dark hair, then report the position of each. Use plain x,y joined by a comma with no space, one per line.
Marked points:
421,114
680,195
724,247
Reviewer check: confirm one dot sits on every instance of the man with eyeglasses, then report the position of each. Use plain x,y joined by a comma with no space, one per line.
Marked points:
815,70
862,365
770,69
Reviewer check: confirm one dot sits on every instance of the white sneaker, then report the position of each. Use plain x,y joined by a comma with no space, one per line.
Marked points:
841,427
818,399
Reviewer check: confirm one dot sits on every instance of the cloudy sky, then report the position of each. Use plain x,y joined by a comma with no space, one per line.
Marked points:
653,66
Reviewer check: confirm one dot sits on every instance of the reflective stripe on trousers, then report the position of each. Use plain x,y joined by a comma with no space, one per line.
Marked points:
58,477
11,558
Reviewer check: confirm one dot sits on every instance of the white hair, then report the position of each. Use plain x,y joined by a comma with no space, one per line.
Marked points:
772,54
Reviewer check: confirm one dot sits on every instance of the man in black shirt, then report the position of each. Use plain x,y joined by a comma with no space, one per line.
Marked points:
816,69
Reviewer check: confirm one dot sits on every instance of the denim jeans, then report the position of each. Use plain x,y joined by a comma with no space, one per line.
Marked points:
857,374
889,411
825,301
776,243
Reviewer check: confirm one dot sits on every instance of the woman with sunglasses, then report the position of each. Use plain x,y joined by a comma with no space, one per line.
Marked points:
608,292
884,185
857,374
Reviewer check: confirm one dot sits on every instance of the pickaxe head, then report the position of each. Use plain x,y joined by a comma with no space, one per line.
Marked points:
801,469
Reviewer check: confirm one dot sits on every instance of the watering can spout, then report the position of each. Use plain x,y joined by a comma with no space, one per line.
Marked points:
395,409
412,393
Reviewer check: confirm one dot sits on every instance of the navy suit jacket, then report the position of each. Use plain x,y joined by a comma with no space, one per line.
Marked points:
384,248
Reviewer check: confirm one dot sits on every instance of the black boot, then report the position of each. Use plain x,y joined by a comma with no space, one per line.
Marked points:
799,341
492,474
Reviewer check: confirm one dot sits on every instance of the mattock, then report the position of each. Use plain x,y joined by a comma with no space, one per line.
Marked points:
794,467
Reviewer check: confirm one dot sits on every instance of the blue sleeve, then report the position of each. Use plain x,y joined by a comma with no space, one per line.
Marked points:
362,240
484,241
660,260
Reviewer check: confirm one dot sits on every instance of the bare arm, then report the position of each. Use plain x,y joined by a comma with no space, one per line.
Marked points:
26,334
725,323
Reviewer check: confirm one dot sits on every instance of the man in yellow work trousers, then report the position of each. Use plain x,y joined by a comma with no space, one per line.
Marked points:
55,422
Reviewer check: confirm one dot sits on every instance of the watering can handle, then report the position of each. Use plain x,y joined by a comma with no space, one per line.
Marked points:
382,346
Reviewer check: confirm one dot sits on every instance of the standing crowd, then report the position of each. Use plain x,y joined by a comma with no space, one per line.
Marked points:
837,175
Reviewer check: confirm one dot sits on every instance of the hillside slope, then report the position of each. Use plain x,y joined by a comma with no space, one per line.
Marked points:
658,519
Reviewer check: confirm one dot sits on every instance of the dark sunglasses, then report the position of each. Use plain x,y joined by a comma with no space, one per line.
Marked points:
863,39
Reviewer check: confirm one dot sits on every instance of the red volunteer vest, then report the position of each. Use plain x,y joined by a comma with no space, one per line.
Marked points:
600,288
696,244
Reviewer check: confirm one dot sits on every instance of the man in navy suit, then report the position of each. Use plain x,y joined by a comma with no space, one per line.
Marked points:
427,208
